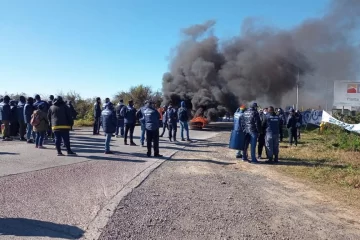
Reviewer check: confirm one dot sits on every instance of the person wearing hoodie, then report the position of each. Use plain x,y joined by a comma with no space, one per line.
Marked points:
28,111
172,118
14,127
120,119
152,124
140,116
97,116
109,123
183,117
41,125
61,121
129,114
107,100
21,118
5,117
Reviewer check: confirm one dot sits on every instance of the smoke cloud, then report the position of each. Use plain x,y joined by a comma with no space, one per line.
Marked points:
265,64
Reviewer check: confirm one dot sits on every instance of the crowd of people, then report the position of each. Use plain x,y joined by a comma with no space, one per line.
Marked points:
119,121
34,120
264,128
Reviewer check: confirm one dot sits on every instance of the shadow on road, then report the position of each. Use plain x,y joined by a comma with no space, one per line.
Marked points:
8,153
34,228
200,160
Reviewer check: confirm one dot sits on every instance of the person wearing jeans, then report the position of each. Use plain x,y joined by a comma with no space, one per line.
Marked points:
109,124
183,117
120,119
61,121
28,111
141,119
41,126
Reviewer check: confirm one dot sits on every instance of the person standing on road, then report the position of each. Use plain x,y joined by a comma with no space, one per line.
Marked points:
272,126
140,116
152,124
239,126
49,133
252,126
61,121
107,100
120,119
109,123
171,116
164,121
38,101
41,126
183,117
73,113
261,138
129,114
282,123
97,115
5,117
28,111
291,126
14,123
21,117
299,123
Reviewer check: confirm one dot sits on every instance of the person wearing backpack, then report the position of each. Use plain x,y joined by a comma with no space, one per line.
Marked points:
183,120
61,121
172,119
40,125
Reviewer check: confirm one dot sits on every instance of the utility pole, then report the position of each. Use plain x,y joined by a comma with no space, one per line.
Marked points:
297,90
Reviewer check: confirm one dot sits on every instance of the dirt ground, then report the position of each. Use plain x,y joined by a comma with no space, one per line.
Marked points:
203,192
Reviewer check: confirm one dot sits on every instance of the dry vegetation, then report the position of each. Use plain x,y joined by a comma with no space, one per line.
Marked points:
321,159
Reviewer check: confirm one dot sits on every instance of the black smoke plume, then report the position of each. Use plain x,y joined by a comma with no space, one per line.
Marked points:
264,64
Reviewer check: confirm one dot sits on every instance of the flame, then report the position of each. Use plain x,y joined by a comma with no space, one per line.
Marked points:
199,120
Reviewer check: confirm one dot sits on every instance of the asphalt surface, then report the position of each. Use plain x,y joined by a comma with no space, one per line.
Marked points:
203,193
44,196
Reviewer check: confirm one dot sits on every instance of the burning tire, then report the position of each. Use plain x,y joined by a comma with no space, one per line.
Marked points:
198,123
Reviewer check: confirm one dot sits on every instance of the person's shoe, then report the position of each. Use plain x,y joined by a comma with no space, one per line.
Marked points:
60,154
183,139
125,143
188,140
142,145
109,152
30,141
158,155
239,156
117,136
254,161
22,139
148,154
170,140
132,144
71,153
161,135
245,160
36,146
259,157
41,147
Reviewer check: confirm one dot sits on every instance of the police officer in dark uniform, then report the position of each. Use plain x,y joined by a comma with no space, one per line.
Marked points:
239,126
151,117
97,116
271,122
291,126
172,119
282,119
252,122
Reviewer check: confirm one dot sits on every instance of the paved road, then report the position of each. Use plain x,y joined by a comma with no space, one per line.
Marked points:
45,196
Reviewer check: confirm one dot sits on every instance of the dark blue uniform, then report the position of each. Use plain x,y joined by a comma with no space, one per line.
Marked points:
252,122
152,117
238,129
172,118
272,125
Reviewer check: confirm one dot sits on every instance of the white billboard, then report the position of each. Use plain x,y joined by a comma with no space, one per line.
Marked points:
346,93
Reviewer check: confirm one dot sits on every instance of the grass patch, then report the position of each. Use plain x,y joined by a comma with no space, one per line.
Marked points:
327,161
83,123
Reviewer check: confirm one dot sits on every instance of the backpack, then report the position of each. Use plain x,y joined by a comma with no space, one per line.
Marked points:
182,115
35,119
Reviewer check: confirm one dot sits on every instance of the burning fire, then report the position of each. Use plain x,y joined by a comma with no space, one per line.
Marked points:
200,121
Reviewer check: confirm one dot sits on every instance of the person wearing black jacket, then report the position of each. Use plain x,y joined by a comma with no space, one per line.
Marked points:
61,121
50,134
73,113
14,126
20,117
129,114
97,116
28,111
5,117
120,119
291,126
262,133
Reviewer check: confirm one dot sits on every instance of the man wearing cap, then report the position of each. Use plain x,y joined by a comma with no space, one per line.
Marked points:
109,123
151,118
252,122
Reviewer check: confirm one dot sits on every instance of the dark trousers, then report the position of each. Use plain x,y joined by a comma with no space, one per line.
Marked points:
293,136
281,133
50,133
129,128
152,137
261,143
165,126
14,128
96,125
120,125
22,129
172,131
39,140
65,136
298,133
